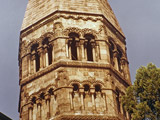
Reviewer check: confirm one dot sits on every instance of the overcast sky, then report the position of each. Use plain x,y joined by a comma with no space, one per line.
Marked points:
139,20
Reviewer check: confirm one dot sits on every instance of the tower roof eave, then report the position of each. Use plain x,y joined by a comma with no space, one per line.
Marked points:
95,6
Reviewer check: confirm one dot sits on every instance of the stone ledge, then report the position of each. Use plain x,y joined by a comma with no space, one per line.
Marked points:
85,117
71,63
58,14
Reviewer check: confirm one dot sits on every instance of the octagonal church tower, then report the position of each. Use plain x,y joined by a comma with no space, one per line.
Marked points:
72,62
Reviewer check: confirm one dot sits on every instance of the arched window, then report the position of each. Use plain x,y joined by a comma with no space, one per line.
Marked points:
119,59
49,50
50,91
50,55
111,49
33,100
73,45
37,62
42,95
89,48
37,56
75,87
97,88
117,101
86,88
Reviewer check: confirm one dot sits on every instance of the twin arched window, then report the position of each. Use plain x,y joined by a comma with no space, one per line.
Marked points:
119,56
86,87
74,37
89,47
113,49
74,44
49,48
36,54
34,49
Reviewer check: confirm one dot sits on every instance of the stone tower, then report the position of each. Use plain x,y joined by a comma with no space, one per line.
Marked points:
73,62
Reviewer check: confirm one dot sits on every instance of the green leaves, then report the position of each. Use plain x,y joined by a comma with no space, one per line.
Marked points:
142,100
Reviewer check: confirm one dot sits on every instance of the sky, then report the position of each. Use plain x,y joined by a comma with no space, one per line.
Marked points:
139,20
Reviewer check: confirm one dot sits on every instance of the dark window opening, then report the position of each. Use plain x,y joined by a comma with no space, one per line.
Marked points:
119,59
118,102
89,37
33,100
97,88
49,50
86,87
74,49
89,51
111,49
50,91
50,55
34,47
37,62
42,95
45,41
75,87
73,45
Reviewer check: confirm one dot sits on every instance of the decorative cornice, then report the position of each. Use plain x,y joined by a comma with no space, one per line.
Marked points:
60,14
70,63
85,117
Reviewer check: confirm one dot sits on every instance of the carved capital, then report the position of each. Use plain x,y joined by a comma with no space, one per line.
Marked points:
33,56
92,90
30,106
47,97
77,43
93,44
39,102
115,53
81,90
41,50
124,60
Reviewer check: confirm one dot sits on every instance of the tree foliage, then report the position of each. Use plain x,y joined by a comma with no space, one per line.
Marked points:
142,99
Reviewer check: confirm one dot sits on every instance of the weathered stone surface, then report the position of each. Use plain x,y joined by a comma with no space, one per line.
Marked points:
73,62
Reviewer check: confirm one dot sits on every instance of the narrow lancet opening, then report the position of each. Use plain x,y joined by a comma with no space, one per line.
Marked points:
73,45
89,47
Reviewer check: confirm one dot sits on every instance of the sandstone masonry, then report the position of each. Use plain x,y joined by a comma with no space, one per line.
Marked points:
72,60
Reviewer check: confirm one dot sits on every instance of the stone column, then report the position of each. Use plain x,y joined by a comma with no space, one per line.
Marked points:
46,56
85,50
110,101
97,52
71,100
92,90
29,64
47,98
33,63
81,90
41,58
108,52
115,54
126,69
39,109
121,106
52,53
105,98
69,48
30,111
93,50
78,49
82,50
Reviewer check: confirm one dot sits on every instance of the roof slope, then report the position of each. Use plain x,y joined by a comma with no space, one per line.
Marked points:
38,9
